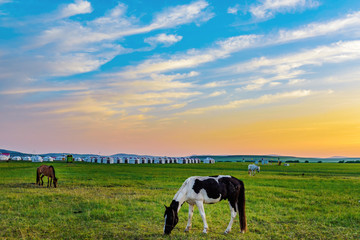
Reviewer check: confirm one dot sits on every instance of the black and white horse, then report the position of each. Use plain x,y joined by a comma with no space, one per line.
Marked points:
200,190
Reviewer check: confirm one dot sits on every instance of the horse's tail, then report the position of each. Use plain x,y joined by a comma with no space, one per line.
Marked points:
241,208
37,176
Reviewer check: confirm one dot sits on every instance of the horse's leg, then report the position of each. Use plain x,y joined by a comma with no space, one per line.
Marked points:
233,215
51,181
48,182
191,211
200,206
42,182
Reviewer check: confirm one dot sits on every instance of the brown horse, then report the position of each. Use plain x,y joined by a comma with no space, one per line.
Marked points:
48,171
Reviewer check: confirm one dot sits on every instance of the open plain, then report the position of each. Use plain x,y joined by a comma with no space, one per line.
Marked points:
122,201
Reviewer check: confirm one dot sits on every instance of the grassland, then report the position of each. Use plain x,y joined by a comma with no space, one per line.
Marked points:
94,201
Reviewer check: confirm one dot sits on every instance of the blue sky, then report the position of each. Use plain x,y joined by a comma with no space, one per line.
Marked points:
74,72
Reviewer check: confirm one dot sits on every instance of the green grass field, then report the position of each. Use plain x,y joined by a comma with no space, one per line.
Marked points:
94,201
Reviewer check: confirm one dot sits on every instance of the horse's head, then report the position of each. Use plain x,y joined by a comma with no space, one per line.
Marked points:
55,181
258,169
171,219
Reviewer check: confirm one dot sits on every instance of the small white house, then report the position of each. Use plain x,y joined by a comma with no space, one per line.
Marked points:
119,160
183,161
60,158
134,160
4,156
48,159
16,158
36,159
209,160
26,158
108,160
78,159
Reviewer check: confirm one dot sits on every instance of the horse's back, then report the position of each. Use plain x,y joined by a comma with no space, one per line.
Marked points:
44,169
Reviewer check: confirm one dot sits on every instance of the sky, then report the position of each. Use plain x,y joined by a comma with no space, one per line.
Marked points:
179,78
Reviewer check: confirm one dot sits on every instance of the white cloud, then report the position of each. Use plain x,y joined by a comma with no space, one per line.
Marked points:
217,93
296,81
268,8
175,106
182,14
39,90
262,100
63,46
233,10
79,7
163,38
192,58
334,53
350,23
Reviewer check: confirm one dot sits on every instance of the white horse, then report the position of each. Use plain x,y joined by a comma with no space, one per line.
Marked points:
252,168
200,190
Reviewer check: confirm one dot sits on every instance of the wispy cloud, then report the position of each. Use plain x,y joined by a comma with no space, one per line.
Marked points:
39,90
334,53
115,24
192,58
225,48
64,46
290,67
263,100
217,93
79,7
268,8
234,10
182,14
163,38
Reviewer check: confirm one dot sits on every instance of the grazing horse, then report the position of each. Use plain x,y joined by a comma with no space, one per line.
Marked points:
252,168
200,190
48,171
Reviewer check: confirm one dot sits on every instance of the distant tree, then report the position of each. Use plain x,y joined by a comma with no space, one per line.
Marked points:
319,161
341,161
306,161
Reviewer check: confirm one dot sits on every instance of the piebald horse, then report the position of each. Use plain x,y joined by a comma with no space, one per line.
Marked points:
48,171
200,190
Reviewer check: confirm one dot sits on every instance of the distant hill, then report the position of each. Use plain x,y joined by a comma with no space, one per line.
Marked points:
15,153
274,158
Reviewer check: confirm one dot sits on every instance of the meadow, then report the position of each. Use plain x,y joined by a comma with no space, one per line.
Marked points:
122,201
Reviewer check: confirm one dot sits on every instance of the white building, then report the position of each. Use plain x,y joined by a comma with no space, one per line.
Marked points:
4,156
60,158
36,159
26,158
16,158
209,160
48,159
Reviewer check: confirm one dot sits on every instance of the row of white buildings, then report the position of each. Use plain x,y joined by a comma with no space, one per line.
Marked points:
115,160
144,160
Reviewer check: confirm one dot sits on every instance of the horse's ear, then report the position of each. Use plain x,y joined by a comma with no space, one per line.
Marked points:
165,206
